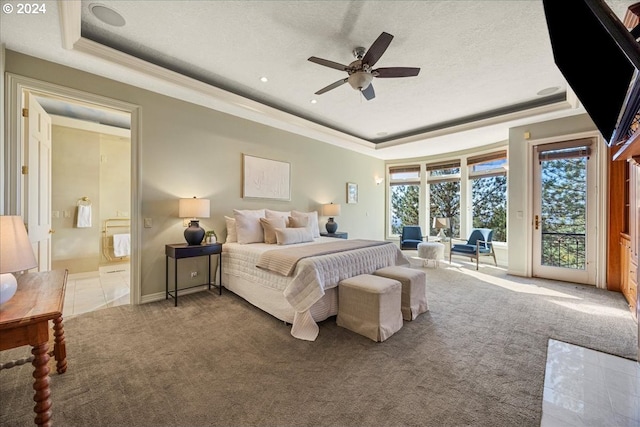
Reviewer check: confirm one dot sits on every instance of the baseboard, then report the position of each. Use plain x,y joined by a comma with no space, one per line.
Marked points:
158,296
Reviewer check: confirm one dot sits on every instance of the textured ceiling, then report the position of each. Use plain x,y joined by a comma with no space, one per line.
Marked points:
479,60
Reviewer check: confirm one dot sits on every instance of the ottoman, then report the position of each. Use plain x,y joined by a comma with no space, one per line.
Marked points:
370,306
431,251
414,289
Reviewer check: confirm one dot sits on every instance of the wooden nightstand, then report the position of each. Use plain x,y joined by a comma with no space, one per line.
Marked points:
182,250
337,235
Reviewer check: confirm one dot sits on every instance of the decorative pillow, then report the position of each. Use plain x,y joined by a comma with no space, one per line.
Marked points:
248,226
288,236
269,226
276,214
313,221
297,222
231,229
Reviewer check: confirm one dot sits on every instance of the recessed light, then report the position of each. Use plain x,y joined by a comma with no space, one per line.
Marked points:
313,101
382,134
264,79
107,15
548,90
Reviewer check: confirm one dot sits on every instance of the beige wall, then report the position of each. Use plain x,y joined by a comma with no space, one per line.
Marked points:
93,165
188,150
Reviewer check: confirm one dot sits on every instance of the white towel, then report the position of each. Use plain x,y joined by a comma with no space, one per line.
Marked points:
84,216
121,244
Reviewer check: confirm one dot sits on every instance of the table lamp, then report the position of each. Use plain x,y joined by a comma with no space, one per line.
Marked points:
440,224
16,254
331,211
194,209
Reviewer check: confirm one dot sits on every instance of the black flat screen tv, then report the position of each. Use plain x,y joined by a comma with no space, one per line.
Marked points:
600,60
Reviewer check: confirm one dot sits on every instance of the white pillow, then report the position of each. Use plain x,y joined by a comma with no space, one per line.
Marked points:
269,226
288,236
277,214
248,226
313,221
231,229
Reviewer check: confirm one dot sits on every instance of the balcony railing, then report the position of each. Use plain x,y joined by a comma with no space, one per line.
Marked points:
566,250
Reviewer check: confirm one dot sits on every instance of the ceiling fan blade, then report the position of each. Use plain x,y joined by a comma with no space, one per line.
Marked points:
332,86
368,92
396,72
377,49
328,63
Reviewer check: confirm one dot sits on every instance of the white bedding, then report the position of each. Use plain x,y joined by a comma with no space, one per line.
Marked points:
311,277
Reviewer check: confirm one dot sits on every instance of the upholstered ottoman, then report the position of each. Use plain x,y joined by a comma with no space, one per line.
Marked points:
414,289
431,251
370,305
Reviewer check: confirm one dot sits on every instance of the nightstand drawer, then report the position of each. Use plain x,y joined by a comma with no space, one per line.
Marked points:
185,251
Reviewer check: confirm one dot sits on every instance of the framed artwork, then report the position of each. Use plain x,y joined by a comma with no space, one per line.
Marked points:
352,192
265,178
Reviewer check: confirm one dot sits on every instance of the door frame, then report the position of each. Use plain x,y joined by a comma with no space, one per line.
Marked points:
601,200
15,86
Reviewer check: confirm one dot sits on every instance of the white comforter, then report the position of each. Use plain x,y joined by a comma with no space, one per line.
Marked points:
311,276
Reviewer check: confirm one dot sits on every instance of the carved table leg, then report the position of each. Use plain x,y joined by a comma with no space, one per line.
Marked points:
59,347
41,384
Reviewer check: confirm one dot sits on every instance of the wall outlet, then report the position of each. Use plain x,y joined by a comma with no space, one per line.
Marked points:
148,223
194,274
185,222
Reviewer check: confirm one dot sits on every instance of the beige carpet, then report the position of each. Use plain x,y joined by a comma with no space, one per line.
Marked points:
477,358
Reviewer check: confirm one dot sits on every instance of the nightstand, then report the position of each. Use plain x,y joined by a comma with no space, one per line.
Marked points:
182,250
337,235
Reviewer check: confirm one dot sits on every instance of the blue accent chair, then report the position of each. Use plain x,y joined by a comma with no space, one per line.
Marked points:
478,244
411,236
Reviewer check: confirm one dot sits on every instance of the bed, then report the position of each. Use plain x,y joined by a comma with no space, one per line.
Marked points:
309,294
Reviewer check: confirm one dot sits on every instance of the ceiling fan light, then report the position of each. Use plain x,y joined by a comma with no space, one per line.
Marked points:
360,80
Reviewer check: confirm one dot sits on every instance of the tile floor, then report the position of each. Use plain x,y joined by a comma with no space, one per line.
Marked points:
91,291
583,387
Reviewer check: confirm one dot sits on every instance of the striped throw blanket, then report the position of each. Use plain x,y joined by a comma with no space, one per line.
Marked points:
283,261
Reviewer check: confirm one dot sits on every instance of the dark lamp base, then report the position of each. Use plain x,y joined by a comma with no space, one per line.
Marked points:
194,234
331,226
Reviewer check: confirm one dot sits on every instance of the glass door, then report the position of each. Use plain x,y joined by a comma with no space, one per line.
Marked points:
564,216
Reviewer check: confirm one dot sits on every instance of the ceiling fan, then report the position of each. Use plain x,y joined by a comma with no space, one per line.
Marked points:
361,71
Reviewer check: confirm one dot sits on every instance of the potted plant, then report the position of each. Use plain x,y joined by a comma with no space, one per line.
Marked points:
210,237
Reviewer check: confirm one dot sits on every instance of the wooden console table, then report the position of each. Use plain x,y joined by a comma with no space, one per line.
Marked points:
24,320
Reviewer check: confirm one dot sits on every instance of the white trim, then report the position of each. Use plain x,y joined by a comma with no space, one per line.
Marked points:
159,296
16,85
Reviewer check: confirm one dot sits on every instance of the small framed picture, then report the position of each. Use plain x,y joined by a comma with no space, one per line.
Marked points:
352,192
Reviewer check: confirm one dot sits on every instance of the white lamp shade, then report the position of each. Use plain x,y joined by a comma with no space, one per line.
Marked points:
194,208
439,223
16,253
331,210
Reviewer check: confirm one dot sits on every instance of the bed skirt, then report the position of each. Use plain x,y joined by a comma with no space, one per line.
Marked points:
273,301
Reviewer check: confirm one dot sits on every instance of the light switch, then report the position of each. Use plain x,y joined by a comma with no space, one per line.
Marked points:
148,223
55,214
67,214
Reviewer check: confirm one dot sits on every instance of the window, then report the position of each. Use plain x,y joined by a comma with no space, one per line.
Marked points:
404,184
489,193
444,194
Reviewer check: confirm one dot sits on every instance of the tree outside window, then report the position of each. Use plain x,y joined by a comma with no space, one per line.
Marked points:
405,197
444,195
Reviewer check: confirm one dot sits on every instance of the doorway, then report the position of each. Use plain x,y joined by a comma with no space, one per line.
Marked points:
564,211
105,272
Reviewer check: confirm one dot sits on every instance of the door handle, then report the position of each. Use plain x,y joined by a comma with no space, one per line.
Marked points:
536,221
52,231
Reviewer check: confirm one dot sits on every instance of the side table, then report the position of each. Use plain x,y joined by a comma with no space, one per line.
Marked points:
24,320
182,250
337,235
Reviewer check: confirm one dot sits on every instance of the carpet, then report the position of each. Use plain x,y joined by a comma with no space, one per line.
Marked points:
477,358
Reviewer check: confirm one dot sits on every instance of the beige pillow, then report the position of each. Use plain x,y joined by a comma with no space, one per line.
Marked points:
231,229
248,226
313,221
276,214
269,226
297,222
289,236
